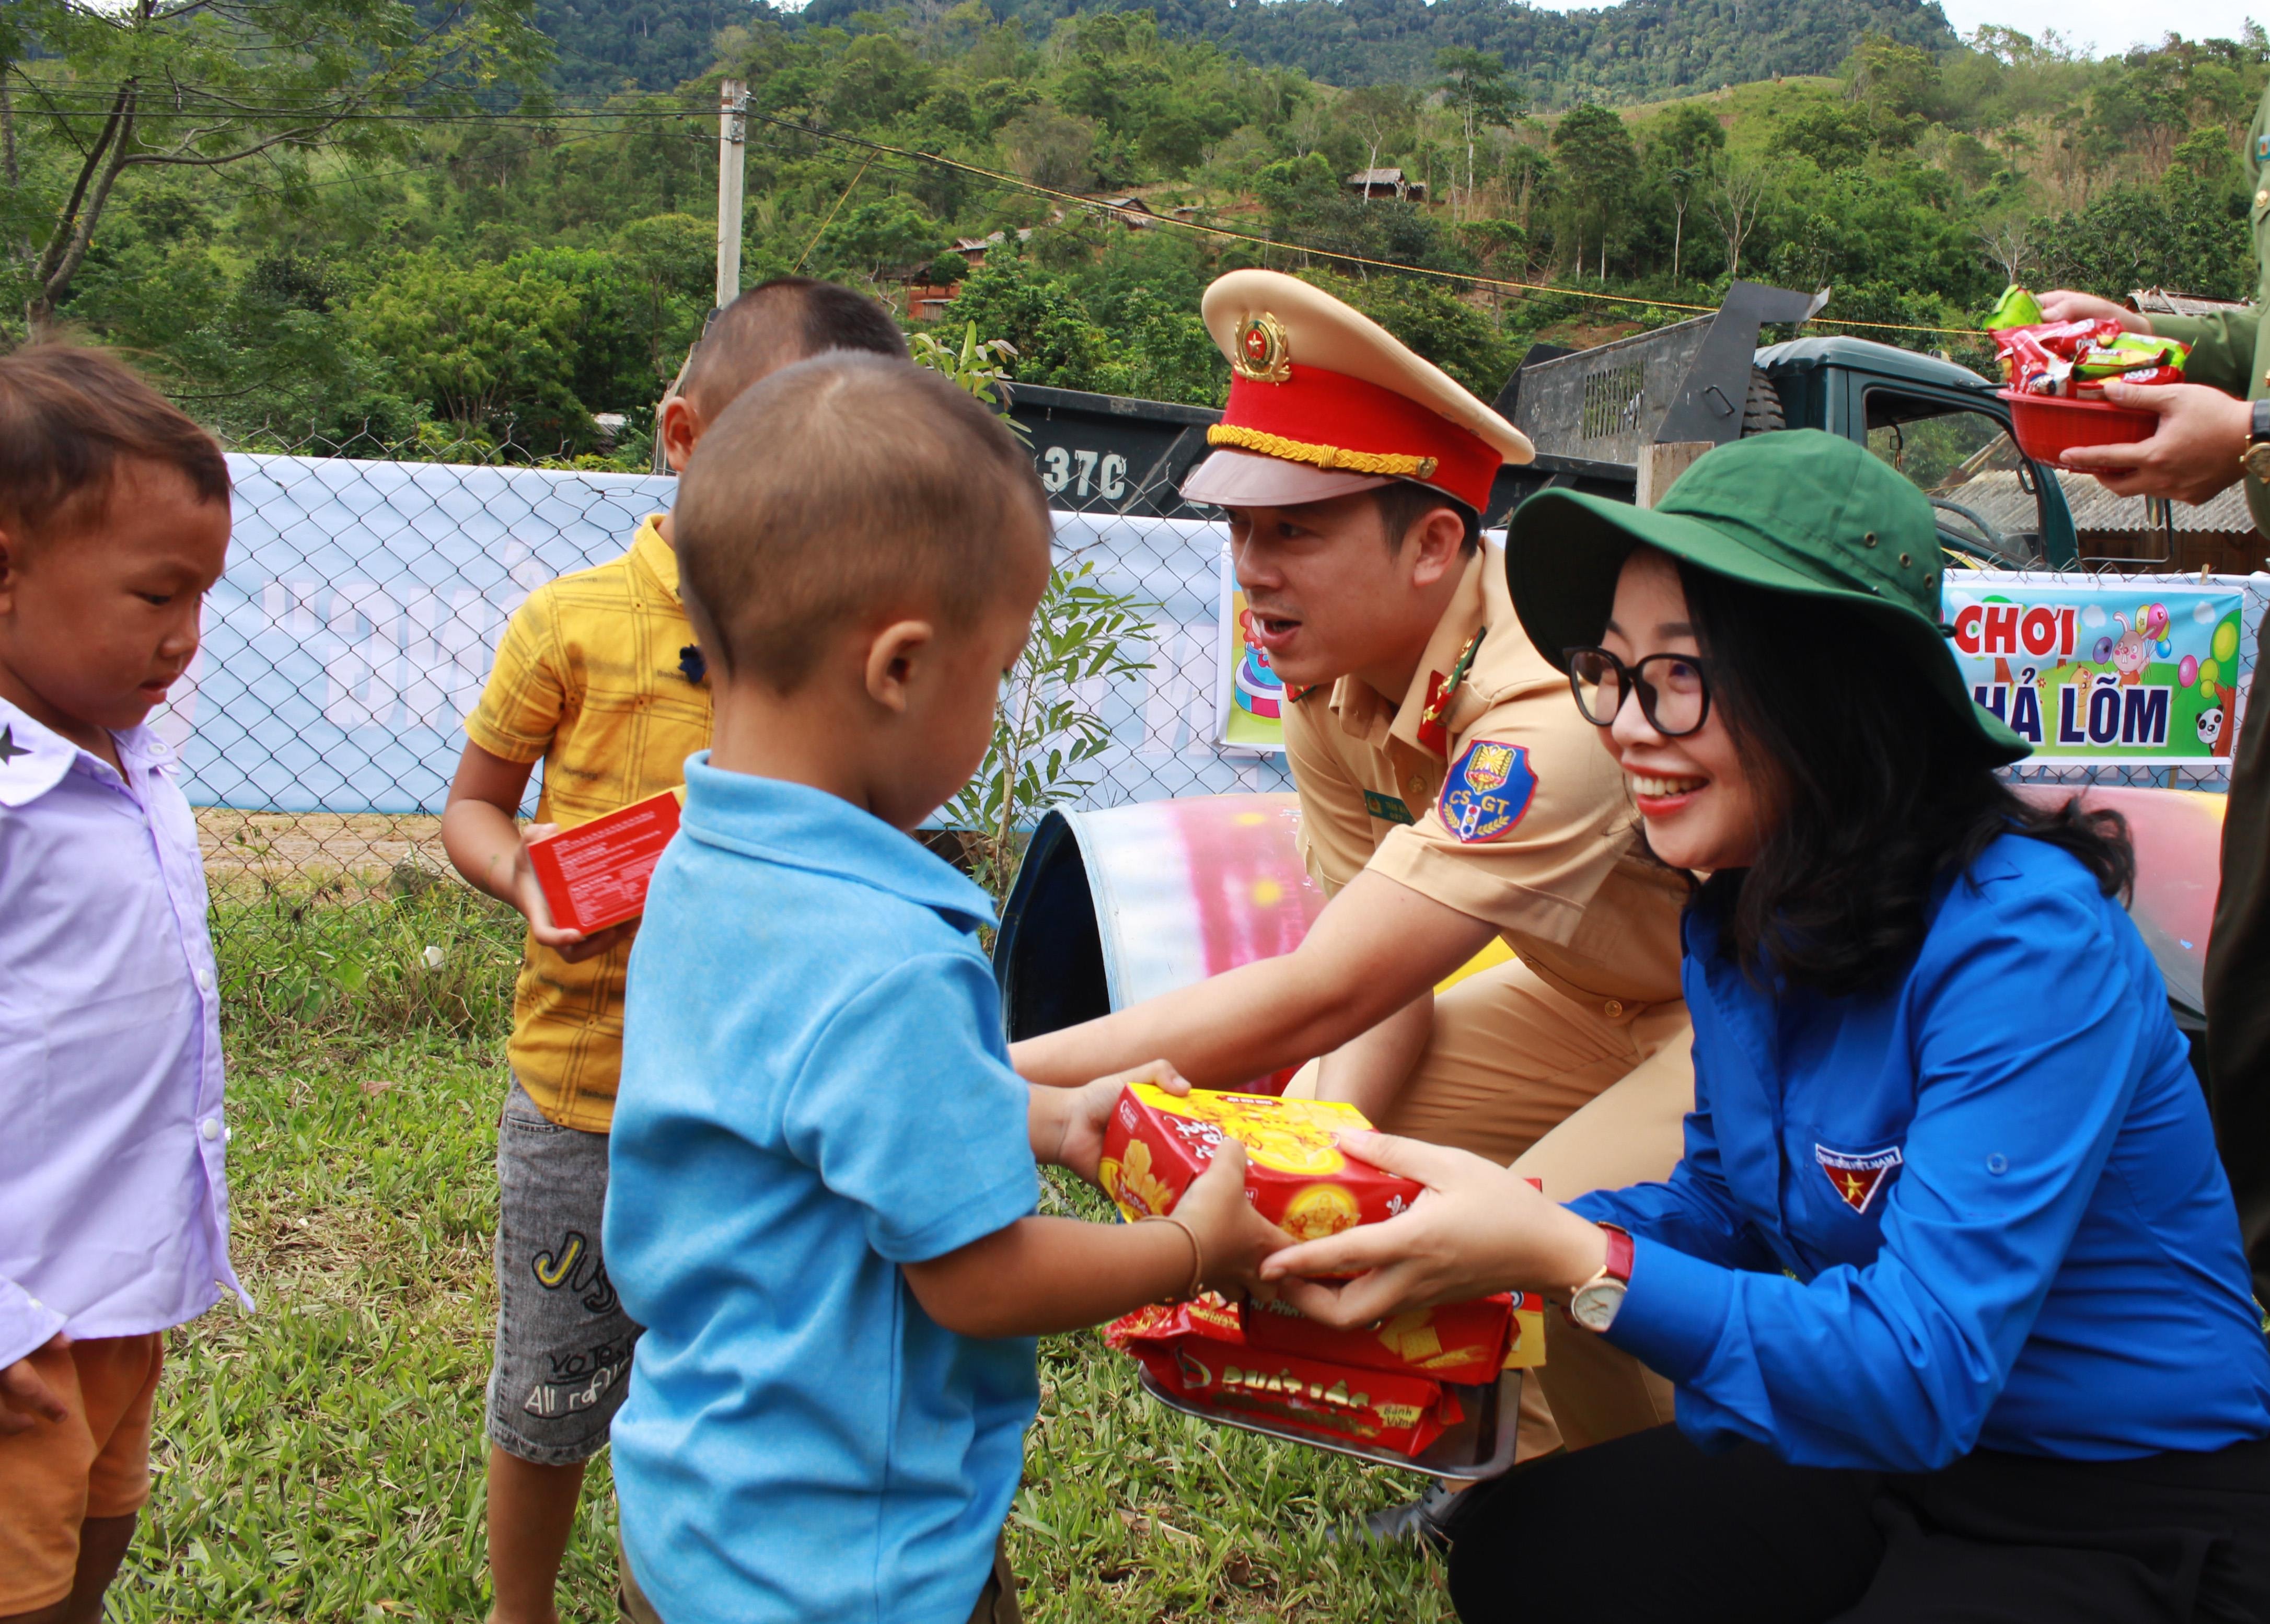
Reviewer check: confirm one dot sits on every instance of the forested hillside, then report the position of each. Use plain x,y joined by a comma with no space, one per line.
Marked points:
1631,52
432,236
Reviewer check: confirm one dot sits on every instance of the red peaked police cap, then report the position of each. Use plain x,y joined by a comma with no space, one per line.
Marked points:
1336,422
1324,401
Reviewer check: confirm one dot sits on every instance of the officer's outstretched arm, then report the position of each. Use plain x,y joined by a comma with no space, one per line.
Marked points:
1376,947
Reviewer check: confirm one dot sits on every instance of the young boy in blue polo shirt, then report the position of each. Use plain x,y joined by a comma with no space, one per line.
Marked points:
822,1170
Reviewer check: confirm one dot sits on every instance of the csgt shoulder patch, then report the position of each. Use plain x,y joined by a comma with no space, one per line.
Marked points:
1487,791
1857,1176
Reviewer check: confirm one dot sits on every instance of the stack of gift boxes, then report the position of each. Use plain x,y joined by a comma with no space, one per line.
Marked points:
1387,1386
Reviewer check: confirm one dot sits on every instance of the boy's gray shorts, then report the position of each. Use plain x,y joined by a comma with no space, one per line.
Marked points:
563,1343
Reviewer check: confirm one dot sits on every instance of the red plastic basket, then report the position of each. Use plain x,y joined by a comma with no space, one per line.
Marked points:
2048,425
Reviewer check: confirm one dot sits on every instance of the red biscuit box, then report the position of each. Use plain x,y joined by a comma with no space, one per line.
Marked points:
1296,1175
1195,1351
1463,1342
596,874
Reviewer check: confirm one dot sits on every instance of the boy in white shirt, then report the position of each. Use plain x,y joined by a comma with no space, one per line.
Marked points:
114,1202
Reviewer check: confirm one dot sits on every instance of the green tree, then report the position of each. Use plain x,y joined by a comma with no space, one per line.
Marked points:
1681,145
1599,170
671,260
155,83
1473,86
491,345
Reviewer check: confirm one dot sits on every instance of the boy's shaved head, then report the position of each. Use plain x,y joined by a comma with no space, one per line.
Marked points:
848,488
777,324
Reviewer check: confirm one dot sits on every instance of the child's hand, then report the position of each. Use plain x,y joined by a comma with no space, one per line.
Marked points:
1233,1238
1079,1116
25,1398
528,896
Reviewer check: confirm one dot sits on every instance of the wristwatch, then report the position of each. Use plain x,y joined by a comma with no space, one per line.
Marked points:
2255,460
1595,1303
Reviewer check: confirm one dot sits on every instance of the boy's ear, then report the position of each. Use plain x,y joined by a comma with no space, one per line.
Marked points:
891,659
679,425
9,550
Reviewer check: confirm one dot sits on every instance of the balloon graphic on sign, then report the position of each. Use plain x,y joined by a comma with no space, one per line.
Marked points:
2188,670
2209,670
2226,639
2103,651
2163,649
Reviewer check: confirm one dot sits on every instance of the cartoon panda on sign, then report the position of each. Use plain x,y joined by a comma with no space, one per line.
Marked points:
2210,725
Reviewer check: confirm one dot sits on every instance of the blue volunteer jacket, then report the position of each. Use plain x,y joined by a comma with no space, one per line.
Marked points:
1980,1208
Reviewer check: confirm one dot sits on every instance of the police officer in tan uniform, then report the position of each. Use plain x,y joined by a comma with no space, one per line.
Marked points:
1452,800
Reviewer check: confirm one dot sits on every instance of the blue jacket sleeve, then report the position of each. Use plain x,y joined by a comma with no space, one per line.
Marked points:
2029,1029
1692,1210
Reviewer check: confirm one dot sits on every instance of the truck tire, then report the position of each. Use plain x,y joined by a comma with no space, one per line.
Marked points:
1762,407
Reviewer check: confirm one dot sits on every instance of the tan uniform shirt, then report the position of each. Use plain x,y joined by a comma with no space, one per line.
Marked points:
1504,807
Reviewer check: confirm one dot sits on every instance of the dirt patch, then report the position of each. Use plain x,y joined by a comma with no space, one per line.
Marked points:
1581,334
352,852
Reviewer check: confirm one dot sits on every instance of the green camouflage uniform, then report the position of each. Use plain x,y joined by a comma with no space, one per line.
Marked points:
2231,351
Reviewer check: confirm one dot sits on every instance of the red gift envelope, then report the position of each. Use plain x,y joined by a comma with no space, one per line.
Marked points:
596,874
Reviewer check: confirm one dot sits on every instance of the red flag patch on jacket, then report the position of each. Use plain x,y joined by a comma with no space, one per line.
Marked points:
1856,1175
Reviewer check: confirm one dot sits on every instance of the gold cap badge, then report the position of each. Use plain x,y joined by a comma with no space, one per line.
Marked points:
1264,354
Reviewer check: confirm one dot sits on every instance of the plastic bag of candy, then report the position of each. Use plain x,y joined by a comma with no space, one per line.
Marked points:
2072,360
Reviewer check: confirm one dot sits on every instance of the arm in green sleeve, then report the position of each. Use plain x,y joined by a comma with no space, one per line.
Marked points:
2223,347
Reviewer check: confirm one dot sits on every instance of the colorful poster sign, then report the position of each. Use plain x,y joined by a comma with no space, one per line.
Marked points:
2112,670
1248,698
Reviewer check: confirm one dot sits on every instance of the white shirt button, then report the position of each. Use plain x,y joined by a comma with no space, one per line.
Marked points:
204,981
210,1127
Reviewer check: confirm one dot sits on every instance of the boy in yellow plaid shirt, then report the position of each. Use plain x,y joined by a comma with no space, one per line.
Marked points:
598,678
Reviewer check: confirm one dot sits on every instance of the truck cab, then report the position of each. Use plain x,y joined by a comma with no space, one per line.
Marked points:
1940,425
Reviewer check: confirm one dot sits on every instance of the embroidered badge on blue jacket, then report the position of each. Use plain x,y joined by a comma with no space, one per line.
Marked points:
1489,789
1857,1176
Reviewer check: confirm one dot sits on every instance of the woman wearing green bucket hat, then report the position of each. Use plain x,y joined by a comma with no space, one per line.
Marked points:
1949,1279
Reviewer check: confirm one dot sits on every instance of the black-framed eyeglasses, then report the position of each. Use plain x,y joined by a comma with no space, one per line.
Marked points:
1674,694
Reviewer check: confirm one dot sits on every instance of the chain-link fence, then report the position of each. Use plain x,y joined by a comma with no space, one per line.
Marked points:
320,725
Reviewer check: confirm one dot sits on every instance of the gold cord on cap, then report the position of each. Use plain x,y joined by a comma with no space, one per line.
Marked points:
1392,465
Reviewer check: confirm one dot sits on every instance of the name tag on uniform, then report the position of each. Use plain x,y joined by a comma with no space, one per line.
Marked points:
1386,808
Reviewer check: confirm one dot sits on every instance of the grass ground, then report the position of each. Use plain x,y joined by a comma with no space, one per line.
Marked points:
321,1458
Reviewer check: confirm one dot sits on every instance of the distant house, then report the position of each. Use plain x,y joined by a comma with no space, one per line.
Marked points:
2165,301
926,301
1131,211
973,248
1371,184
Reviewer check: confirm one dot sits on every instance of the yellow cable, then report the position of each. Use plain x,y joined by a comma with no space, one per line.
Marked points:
830,220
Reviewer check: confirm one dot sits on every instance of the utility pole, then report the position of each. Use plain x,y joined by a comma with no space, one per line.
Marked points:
733,102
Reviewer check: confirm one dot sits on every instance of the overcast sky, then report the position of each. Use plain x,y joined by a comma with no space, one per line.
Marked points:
2109,25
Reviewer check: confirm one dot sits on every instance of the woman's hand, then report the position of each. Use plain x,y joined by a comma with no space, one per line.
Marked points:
1477,1228
1068,1123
